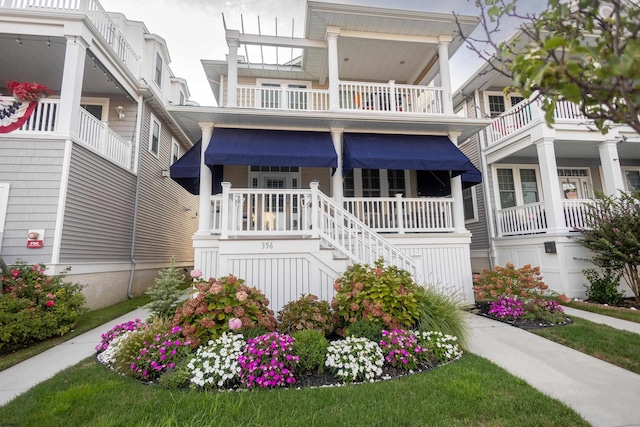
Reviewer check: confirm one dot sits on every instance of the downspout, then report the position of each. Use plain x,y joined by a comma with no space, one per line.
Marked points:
488,208
141,103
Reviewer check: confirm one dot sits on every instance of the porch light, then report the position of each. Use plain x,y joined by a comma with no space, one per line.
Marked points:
120,110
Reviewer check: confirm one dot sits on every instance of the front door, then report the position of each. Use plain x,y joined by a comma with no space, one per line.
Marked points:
574,183
275,211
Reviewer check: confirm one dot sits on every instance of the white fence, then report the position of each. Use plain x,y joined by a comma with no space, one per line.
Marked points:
98,136
531,218
283,98
391,97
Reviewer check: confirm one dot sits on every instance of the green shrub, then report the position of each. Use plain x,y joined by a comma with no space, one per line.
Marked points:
166,294
307,312
311,348
252,332
365,329
34,306
603,288
379,294
442,313
207,315
178,377
509,282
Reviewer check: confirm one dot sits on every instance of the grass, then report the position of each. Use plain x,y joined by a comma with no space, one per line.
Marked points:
632,316
468,392
604,342
86,322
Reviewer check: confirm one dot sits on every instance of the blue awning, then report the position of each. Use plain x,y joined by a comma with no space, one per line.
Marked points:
258,147
186,171
414,152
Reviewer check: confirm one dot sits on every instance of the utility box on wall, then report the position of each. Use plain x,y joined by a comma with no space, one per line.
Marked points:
550,248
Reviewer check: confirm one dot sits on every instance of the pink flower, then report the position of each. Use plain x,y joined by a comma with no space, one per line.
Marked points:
196,274
242,295
235,323
50,303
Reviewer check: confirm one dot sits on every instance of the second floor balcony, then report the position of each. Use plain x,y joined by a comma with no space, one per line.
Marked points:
354,96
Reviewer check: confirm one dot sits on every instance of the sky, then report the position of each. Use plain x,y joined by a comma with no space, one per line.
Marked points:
193,29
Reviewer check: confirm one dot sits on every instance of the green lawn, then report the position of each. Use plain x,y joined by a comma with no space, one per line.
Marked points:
604,342
468,392
86,322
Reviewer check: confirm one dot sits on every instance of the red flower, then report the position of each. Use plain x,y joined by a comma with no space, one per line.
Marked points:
50,303
28,92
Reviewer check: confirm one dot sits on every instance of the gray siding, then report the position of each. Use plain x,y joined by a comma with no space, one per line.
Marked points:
98,221
479,230
167,213
33,168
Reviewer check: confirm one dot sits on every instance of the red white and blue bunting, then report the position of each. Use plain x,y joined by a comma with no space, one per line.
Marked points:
13,114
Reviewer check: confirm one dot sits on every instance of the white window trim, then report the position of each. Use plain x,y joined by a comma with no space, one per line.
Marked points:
507,100
384,183
516,182
175,151
104,102
283,83
474,200
151,122
288,176
624,170
155,62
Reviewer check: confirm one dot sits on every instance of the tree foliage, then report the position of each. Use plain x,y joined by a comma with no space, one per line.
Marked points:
612,233
583,51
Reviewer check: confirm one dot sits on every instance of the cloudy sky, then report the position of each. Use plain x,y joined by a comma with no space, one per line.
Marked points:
193,29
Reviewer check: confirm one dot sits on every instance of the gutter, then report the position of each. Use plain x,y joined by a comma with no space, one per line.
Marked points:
141,104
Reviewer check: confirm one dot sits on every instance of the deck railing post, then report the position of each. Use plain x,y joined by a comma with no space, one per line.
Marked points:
225,207
315,213
399,213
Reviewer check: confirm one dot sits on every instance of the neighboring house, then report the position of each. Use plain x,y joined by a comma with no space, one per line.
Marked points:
344,152
538,179
88,171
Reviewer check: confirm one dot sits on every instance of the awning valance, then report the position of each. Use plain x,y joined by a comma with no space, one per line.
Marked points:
258,147
186,171
415,152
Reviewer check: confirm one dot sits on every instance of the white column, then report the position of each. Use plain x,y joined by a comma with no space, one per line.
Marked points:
71,89
456,193
337,178
233,41
334,78
445,76
315,217
206,181
610,161
550,187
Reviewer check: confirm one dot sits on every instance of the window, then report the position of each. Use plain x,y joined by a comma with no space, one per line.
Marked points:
496,103
370,183
396,180
632,178
181,99
376,183
469,204
517,186
294,95
154,137
348,184
97,107
158,75
175,151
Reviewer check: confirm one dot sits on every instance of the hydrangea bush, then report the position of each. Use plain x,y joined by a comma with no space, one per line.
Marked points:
268,361
216,364
380,294
307,312
206,315
509,282
355,359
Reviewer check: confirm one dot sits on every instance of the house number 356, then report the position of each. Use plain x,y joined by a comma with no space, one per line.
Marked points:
267,245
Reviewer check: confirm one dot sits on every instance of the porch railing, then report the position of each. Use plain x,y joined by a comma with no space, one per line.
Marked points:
521,115
44,118
98,17
101,138
308,213
391,97
400,215
283,98
354,96
531,218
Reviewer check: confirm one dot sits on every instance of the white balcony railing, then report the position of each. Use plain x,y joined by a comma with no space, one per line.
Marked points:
400,215
98,17
354,96
44,118
531,218
101,138
391,97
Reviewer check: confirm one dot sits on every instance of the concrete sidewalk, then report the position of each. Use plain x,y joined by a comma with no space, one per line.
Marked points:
603,394
21,377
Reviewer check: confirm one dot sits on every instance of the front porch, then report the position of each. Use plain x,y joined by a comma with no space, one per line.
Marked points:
532,218
289,242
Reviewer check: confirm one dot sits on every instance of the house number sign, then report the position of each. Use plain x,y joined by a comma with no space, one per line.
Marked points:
266,246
